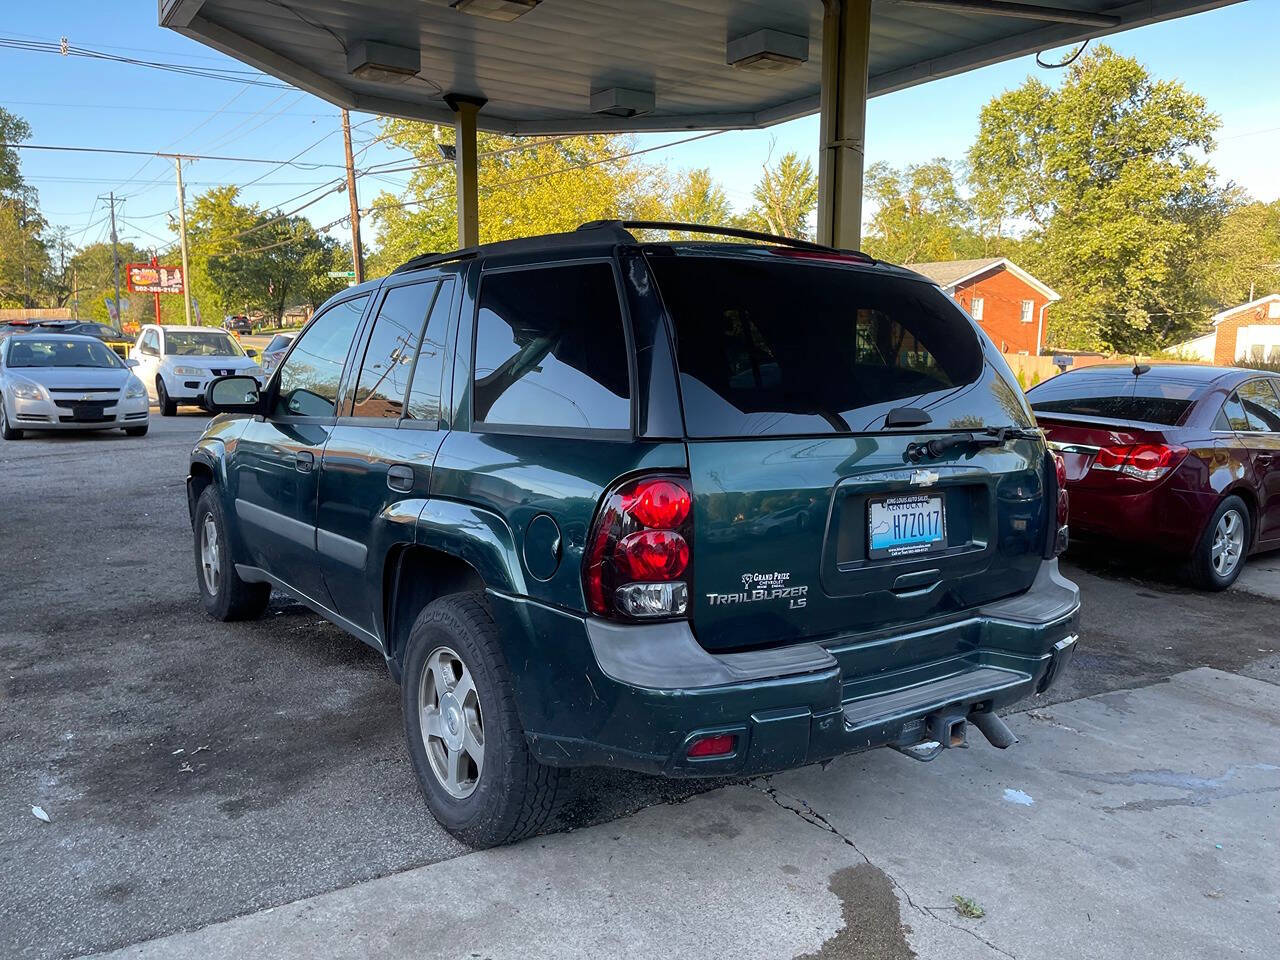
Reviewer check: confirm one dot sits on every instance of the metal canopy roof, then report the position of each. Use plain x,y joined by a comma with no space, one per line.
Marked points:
538,72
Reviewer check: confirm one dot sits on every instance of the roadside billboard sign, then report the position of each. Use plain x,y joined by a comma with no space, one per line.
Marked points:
153,278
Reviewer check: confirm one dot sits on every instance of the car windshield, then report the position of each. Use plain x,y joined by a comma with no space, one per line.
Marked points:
201,343
1116,396
37,352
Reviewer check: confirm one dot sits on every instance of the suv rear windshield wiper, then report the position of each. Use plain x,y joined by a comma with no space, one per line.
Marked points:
991,437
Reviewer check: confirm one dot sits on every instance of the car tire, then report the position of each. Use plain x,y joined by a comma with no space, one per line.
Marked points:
225,596
136,431
6,430
1223,546
168,407
509,795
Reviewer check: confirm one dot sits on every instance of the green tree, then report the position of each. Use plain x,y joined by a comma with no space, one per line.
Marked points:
26,275
95,280
698,198
1107,172
785,197
241,257
919,215
1244,254
526,187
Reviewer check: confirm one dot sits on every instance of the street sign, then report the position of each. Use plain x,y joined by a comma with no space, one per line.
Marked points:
152,278
342,274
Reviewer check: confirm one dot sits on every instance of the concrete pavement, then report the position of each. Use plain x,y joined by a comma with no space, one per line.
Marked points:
1131,824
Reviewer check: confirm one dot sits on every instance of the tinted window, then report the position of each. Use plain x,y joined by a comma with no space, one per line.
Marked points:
388,359
780,347
200,343
151,341
1231,417
550,349
1116,395
1260,405
308,385
424,394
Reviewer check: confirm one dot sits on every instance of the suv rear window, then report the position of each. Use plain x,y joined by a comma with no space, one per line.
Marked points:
1116,396
777,347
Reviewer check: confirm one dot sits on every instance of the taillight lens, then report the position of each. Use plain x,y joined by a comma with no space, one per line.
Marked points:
1141,461
1060,470
639,551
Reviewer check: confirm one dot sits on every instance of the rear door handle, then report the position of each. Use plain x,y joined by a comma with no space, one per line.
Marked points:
400,477
303,461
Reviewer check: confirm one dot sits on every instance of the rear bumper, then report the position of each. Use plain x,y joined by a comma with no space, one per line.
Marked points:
594,693
1166,516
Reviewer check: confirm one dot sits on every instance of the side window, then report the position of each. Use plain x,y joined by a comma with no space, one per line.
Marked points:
1261,406
976,310
1028,307
424,394
309,378
1232,417
550,349
388,359
151,343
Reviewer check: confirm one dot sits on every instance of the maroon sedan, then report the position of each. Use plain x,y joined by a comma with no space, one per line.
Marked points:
1182,459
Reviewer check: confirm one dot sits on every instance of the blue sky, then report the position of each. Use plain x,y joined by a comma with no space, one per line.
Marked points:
70,100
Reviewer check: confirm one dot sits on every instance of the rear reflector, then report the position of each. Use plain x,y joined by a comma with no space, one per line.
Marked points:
715,746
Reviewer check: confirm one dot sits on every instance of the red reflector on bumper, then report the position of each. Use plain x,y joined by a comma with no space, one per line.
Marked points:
716,746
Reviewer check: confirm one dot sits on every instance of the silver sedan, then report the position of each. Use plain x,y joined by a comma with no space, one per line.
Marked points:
67,382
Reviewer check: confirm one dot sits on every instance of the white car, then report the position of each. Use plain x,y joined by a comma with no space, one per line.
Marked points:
177,363
59,381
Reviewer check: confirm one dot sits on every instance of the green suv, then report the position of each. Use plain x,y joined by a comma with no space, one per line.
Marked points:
688,508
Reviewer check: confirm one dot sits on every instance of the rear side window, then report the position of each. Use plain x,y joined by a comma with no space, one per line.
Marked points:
1260,406
1116,395
551,351
309,377
779,347
1231,416
424,394
388,359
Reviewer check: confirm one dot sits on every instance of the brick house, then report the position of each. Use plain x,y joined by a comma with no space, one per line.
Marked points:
1250,331
1008,303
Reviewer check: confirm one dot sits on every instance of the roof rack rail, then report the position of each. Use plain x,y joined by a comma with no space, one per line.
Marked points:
430,259
736,232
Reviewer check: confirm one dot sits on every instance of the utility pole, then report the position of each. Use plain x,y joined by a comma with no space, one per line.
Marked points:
115,260
75,292
357,255
182,233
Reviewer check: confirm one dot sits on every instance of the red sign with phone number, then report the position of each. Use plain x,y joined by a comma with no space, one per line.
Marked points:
146,278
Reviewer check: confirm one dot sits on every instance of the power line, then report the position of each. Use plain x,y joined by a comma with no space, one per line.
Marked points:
159,153
253,77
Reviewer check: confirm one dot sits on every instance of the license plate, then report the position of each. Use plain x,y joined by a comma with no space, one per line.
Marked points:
900,526
86,411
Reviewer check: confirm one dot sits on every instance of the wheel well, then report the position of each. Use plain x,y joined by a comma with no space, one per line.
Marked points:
200,479
1251,502
414,577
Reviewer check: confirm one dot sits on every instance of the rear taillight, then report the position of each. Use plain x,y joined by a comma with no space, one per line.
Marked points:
1141,461
1060,471
639,552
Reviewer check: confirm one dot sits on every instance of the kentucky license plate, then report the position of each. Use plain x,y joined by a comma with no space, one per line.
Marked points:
900,526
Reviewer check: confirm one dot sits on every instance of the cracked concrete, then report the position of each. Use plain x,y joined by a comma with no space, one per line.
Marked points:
861,859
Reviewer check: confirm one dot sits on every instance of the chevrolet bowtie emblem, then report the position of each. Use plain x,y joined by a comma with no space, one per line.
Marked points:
924,478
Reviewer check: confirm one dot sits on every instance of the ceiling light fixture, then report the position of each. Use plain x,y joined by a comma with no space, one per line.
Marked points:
767,50
380,62
504,10
620,102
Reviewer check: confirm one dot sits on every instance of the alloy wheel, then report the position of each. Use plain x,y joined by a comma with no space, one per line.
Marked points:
1228,543
210,555
451,722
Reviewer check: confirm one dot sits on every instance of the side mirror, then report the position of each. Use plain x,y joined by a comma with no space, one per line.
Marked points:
250,352
130,362
232,395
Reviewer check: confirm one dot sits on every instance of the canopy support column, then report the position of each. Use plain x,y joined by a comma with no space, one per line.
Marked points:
846,48
468,184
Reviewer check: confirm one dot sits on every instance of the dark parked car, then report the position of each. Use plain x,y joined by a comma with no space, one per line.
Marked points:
1180,458
238,325
693,509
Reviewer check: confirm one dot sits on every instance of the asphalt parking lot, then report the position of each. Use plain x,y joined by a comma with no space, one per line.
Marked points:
195,772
